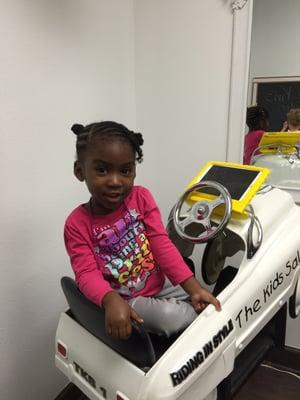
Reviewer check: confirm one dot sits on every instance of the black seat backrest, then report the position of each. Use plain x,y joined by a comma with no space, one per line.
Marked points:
137,348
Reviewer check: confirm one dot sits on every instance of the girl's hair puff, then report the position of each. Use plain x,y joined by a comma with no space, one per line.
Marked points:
85,135
256,115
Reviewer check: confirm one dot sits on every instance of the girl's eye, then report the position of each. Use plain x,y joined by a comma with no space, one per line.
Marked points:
127,171
101,170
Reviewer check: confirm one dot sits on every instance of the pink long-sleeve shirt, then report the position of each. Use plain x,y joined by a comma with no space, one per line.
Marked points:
127,250
251,143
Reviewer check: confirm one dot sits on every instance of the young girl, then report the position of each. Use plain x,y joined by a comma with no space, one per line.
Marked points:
258,122
120,252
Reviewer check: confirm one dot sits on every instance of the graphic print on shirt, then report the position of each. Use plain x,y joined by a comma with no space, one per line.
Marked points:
124,253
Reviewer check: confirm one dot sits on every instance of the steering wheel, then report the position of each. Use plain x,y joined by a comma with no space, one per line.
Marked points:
201,211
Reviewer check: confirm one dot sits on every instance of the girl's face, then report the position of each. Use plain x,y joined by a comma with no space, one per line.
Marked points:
108,169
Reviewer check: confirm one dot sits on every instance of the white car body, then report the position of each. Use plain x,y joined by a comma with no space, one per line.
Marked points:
206,352
285,171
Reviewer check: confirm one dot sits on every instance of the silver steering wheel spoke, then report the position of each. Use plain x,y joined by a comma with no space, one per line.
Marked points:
216,202
186,222
207,225
201,211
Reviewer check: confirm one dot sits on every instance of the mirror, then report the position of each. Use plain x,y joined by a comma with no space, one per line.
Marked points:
275,52
274,83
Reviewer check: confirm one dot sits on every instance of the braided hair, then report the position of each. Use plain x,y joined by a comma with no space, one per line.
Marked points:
108,129
256,117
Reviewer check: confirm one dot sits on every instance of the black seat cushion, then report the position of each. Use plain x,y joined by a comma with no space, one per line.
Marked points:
137,348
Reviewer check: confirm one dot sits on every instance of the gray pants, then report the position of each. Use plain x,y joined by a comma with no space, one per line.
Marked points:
167,312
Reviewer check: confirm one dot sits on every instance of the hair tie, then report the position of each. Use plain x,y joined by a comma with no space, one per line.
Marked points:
77,129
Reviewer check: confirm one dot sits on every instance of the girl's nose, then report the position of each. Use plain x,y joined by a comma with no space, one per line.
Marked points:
114,180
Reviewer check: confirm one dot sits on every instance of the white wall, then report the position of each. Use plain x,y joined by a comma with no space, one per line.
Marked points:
183,62
161,66
60,62
275,47
275,51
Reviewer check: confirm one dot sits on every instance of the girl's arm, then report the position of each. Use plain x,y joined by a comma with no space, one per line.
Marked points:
88,277
170,260
200,297
118,316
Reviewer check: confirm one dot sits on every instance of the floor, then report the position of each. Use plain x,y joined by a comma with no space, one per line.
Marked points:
268,383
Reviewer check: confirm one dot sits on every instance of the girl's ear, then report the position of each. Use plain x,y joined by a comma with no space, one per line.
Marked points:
78,171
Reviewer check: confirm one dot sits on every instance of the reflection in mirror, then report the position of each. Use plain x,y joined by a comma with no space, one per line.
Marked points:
274,93
257,120
278,95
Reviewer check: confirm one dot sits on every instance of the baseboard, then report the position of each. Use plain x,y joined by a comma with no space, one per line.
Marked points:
288,358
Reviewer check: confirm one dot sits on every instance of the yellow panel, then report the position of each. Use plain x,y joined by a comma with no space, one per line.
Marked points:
272,140
238,206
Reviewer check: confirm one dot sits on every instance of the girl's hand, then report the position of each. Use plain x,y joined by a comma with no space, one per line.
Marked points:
285,126
200,297
118,315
